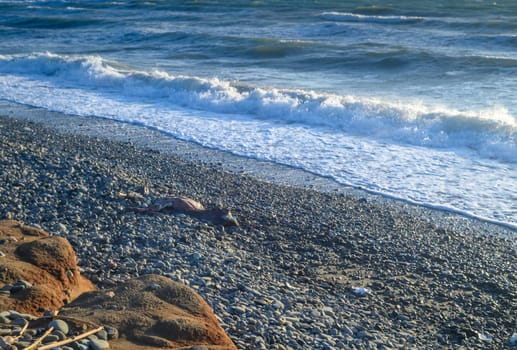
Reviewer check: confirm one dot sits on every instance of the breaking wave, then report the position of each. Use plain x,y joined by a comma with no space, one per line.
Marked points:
490,132
352,17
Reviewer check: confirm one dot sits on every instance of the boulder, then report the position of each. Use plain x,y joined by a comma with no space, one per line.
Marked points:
38,272
152,312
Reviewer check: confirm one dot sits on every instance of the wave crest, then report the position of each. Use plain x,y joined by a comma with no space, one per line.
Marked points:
352,17
492,133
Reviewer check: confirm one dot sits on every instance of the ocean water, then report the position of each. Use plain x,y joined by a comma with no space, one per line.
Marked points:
409,99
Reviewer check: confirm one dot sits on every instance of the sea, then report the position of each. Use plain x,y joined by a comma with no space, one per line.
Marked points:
414,100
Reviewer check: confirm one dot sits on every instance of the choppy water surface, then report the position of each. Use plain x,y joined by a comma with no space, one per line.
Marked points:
412,99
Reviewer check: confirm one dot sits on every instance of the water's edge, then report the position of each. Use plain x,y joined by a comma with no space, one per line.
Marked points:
140,137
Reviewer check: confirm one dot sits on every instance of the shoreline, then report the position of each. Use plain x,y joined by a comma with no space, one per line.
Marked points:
305,269
140,137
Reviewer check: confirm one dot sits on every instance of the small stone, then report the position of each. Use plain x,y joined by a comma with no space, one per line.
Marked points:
239,309
62,228
14,314
347,330
404,318
92,337
59,325
84,342
277,304
484,337
195,257
5,331
50,339
23,344
99,344
60,334
79,346
23,283
361,291
154,286
112,332
20,285
315,314
31,332
102,334
18,322
49,313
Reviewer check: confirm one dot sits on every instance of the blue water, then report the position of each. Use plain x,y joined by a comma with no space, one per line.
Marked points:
409,99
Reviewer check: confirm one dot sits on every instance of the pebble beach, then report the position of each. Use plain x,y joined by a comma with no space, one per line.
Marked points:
305,269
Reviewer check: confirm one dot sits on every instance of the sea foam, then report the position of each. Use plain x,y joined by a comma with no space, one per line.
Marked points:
492,133
352,17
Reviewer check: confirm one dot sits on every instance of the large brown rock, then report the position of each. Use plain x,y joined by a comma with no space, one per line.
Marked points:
152,312
49,264
149,312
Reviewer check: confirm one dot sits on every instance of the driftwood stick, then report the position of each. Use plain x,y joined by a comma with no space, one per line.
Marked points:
70,340
39,340
22,331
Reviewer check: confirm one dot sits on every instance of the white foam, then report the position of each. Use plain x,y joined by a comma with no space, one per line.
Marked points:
491,132
352,17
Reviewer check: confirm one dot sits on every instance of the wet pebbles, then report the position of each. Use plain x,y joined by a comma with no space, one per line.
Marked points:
20,331
305,270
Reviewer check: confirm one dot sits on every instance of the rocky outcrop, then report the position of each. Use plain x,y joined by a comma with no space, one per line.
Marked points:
152,312
37,272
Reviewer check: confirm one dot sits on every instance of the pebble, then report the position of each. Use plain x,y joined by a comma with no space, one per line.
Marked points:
20,285
102,334
99,344
59,325
62,228
60,334
112,332
277,304
5,331
23,344
19,321
273,281
154,286
96,341
51,338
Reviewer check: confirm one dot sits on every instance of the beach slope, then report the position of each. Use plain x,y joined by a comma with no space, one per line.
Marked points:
305,268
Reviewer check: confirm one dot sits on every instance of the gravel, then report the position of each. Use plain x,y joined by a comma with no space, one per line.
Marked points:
305,269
